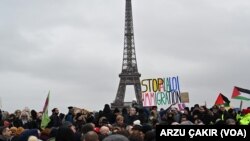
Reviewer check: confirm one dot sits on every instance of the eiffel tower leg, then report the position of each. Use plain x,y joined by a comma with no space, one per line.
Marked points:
138,93
119,100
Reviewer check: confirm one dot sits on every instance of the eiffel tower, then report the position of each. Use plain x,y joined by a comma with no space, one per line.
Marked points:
129,74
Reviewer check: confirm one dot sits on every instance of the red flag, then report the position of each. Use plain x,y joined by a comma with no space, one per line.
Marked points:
235,93
240,93
222,100
219,100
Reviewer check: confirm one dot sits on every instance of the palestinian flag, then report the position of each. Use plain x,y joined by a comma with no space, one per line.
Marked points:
222,100
45,117
240,93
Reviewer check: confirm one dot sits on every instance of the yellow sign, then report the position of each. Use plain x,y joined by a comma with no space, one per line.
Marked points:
184,97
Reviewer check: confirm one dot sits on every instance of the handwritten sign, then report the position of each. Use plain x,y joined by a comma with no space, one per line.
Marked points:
160,91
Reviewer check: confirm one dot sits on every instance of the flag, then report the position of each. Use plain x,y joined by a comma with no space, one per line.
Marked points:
244,95
222,100
45,116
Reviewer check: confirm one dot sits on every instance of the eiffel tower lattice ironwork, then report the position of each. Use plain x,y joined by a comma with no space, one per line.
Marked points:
129,74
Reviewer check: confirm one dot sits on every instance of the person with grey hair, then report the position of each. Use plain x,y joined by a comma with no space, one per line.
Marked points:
115,137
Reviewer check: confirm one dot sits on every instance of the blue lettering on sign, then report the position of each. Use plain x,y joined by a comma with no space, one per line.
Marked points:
165,91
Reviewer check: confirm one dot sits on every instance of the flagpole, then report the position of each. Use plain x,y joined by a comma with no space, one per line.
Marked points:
241,103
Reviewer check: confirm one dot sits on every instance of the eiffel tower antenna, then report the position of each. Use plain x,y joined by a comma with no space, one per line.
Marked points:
129,74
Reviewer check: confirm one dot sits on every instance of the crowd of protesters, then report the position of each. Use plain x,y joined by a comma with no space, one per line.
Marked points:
128,124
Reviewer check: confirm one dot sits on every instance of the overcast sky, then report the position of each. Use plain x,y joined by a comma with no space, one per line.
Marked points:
74,49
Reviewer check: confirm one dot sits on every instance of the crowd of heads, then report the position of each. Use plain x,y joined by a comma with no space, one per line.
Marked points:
127,124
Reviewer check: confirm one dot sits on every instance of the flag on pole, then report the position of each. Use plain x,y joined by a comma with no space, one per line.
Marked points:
240,93
45,116
222,100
